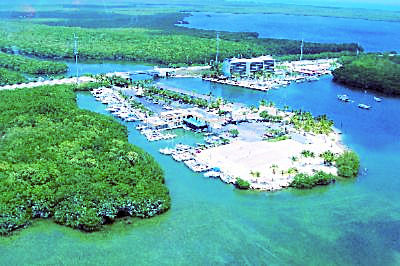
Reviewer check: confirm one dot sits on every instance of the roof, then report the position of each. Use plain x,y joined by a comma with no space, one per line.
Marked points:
255,59
196,123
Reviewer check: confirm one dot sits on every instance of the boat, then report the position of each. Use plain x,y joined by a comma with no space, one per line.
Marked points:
177,157
166,151
343,98
377,99
364,106
140,127
212,174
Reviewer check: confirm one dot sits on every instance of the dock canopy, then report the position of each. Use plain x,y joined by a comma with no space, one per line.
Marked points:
194,123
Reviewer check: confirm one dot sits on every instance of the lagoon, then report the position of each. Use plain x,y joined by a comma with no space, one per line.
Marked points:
372,35
350,222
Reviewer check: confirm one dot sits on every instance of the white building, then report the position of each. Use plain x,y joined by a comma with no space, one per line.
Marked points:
245,66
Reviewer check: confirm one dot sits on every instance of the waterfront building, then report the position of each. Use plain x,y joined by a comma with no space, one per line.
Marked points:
247,66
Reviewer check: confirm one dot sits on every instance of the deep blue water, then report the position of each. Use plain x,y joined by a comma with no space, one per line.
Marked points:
372,35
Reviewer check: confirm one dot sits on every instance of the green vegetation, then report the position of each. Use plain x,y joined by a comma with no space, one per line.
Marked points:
88,86
308,181
234,132
114,81
279,138
31,66
152,91
306,122
370,71
292,170
137,105
163,45
242,184
271,118
70,164
348,164
135,9
308,154
329,157
8,77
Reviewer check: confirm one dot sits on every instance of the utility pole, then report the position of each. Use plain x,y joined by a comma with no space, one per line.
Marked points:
301,49
216,56
76,56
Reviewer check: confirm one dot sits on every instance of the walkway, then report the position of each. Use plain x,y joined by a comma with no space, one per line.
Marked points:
46,83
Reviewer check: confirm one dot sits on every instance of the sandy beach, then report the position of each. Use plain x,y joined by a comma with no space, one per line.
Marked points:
265,164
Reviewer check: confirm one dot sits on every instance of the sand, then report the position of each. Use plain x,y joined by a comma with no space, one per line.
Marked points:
242,158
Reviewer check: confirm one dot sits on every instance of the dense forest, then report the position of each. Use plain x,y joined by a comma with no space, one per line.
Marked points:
163,45
69,164
8,77
31,66
370,71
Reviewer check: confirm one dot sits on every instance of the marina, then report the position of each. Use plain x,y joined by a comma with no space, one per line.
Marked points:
214,132
263,126
281,75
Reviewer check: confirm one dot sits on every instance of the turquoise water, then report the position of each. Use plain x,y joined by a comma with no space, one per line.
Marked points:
350,222
372,35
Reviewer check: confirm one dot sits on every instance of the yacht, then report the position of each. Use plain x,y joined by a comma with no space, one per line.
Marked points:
364,106
377,99
343,98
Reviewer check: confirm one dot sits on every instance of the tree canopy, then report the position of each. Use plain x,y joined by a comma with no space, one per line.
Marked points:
31,66
370,71
70,164
157,45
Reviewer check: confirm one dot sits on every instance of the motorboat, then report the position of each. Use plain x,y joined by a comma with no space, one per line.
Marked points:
364,106
343,98
377,99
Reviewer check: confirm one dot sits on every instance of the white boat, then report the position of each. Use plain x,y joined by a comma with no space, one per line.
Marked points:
377,99
364,106
177,157
131,119
166,151
343,98
212,174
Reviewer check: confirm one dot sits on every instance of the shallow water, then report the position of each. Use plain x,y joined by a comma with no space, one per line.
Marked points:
372,35
350,222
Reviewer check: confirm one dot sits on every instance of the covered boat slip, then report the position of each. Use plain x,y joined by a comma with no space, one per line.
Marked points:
194,123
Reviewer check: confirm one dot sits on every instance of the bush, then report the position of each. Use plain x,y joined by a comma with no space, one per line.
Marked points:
306,181
242,184
234,133
348,164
